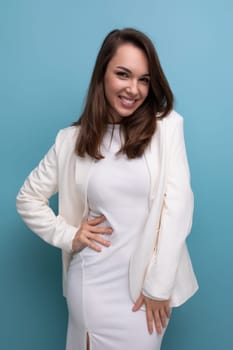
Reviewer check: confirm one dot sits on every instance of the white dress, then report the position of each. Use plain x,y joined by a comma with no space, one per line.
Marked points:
98,296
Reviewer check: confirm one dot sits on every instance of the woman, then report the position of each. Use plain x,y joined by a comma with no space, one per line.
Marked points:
125,202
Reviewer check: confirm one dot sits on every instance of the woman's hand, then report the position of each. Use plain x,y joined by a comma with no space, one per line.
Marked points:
157,312
88,234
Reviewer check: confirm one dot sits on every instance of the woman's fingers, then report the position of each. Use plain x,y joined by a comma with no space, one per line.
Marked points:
149,319
163,318
88,239
91,225
96,221
89,233
157,321
157,312
153,316
167,310
138,303
97,238
100,229
92,245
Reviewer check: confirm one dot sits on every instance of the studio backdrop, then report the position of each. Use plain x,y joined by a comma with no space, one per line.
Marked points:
48,49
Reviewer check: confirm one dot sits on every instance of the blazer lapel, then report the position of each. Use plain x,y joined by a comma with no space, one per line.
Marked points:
156,159
82,171
154,156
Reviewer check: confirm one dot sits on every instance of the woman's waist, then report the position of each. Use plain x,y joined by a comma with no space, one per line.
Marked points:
121,219
119,252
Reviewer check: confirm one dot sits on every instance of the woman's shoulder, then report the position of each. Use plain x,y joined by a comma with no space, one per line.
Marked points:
66,138
68,133
172,122
172,118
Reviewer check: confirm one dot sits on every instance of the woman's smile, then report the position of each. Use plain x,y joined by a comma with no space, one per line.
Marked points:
126,81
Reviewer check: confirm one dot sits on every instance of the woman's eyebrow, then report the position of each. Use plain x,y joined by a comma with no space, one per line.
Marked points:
129,71
124,68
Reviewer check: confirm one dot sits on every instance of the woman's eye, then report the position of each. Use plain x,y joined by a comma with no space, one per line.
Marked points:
145,81
122,74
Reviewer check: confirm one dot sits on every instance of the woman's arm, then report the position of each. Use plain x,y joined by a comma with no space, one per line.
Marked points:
176,220
33,203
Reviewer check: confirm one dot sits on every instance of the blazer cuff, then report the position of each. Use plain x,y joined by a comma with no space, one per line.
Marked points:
148,295
67,239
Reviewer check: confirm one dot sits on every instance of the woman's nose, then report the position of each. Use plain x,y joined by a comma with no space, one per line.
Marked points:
132,87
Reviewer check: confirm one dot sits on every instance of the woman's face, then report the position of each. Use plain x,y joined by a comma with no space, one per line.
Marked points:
126,81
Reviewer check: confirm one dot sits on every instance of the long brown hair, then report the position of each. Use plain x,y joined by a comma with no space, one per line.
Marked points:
139,127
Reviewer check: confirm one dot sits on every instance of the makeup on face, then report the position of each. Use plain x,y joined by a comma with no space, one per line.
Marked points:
126,81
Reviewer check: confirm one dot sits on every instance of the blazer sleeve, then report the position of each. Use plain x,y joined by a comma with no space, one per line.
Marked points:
32,203
175,222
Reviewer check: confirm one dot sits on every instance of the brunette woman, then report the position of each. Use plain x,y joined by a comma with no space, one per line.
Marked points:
125,203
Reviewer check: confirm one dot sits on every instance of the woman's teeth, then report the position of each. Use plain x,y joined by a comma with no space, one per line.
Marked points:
128,101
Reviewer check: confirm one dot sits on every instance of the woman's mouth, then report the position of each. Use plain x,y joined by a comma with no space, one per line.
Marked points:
127,102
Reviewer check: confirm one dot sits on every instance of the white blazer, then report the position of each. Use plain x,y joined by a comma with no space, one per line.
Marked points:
160,265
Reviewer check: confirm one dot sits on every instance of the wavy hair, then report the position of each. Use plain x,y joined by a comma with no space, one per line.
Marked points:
137,128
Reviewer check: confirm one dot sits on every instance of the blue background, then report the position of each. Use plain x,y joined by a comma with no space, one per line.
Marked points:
48,49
